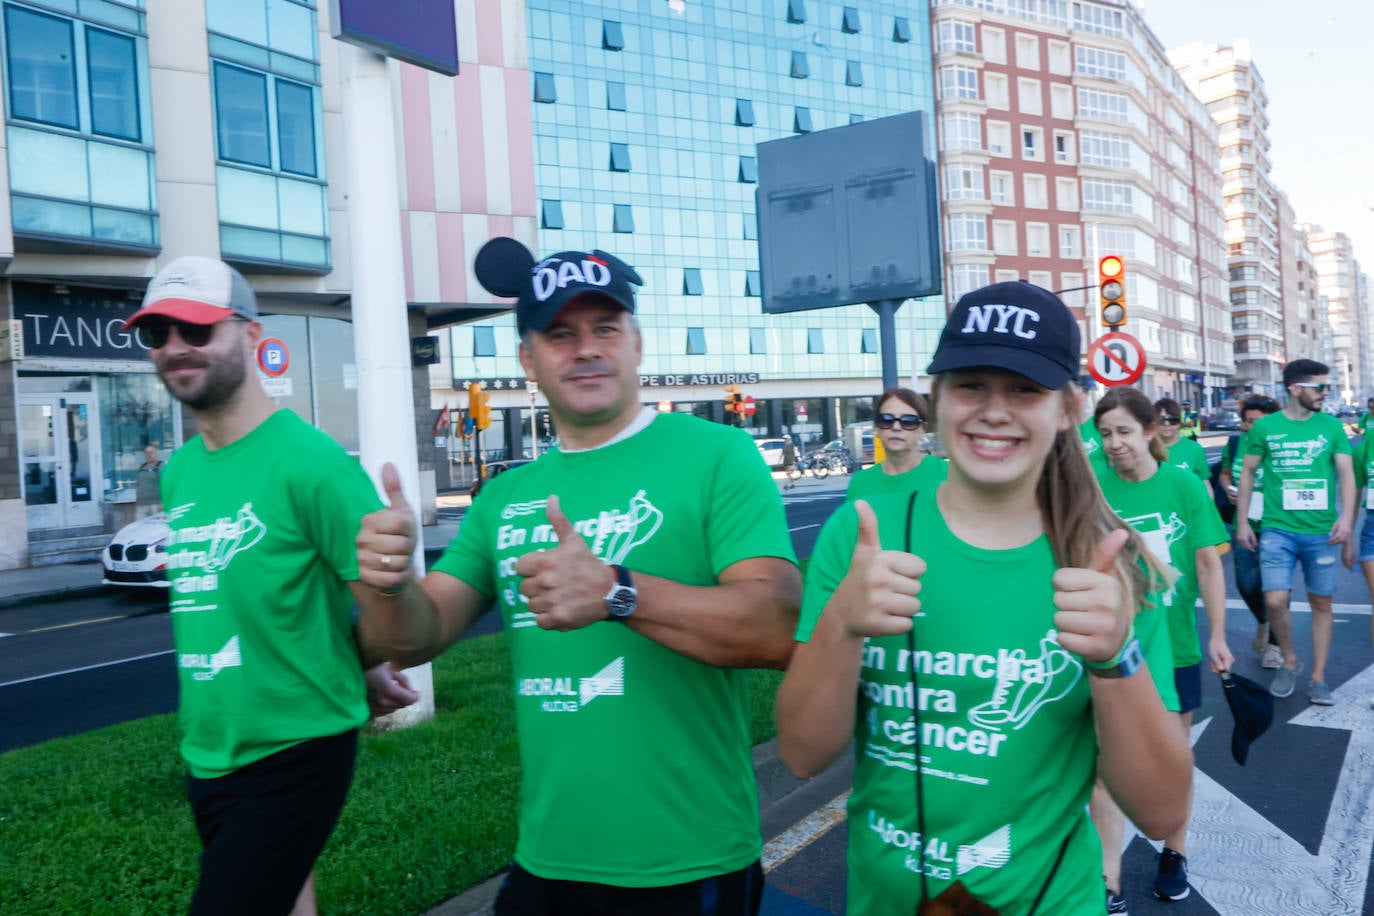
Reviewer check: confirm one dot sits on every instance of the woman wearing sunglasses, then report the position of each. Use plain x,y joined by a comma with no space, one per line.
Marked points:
972,641
899,421
1180,525
1180,450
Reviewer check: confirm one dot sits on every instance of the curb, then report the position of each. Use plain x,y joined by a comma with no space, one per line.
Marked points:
52,593
774,782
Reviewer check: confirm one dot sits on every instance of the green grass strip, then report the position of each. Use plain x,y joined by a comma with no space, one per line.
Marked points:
98,823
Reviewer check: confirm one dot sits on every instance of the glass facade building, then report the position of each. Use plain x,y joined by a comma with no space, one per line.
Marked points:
646,117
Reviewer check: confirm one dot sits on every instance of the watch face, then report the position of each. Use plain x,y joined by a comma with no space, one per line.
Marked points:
621,602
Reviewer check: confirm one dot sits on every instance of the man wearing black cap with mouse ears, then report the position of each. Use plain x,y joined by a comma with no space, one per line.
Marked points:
263,509
637,567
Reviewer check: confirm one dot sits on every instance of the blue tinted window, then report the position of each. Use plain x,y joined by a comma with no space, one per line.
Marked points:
42,58
796,11
748,169
801,121
624,219
483,341
241,113
615,96
901,29
853,73
868,340
758,340
850,21
691,281
296,127
620,157
744,112
112,71
696,341
815,340
544,88
612,36
801,67
753,286
552,214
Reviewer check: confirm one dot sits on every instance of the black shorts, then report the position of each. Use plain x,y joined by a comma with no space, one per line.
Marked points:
263,825
737,893
1188,683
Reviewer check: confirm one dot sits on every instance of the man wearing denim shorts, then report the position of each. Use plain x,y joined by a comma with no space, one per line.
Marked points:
1305,456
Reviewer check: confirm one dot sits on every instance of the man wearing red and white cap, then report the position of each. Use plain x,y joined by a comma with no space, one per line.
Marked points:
263,510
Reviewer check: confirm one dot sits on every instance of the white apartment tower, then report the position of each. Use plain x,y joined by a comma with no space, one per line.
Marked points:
1227,81
1338,282
1064,135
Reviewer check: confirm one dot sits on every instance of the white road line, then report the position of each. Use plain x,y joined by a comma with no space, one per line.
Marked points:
1302,607
803,833
118,661
804,527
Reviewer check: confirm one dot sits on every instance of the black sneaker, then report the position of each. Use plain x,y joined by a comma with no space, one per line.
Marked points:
1171,883
1116,904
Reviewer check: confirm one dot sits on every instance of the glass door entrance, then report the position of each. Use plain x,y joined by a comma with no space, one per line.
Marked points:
60,447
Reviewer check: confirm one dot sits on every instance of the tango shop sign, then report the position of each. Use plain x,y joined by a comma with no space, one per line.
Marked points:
80,323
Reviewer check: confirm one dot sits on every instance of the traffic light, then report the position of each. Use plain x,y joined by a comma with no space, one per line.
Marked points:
1111,289
733,403
478,407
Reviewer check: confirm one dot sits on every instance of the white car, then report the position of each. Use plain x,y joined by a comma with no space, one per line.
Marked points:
771,450
137,555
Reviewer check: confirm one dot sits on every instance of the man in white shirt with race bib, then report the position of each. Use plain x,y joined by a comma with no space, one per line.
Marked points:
1305,455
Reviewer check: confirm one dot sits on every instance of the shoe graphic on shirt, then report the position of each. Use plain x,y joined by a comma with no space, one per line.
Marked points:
992,851
1060,670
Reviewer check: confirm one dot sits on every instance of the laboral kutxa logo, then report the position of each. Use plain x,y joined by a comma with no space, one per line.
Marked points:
561,696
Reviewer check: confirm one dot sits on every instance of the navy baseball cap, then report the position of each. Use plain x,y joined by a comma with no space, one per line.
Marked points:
1015,326
505,267
1252,706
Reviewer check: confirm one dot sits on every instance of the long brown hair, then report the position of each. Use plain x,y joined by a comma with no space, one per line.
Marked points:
1075,513
1134,402
907,397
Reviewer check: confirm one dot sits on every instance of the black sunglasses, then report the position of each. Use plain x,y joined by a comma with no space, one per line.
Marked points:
1170,420
909,421
153,332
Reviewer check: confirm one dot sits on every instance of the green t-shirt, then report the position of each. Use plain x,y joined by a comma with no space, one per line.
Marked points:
1189,455
1092,443
1363,460
1365,423
1255,511
1176,518
259,559
874,481
1006,733
1299,470
636,761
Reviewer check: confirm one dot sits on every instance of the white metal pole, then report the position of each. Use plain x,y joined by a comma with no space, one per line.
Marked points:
381,334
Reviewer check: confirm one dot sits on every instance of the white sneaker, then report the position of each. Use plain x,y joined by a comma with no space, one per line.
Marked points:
1273,657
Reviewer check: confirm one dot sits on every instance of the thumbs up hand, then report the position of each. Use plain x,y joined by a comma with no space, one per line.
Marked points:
566,586
878,596
386,539
1092,619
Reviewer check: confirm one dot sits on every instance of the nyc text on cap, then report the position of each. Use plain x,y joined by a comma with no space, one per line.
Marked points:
197,290
505,267
1015,326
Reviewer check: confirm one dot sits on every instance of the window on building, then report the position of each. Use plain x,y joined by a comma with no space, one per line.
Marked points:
955,35
968,232
796,11
868,340
1063,147
901,29
1028,52
112,78
958,82
1004,236
1061,102
960,130
241,115
623,218
1106,194
42,63
615,96
1028,99
801,67
994,45
758,340
801,120
1099,62
612,35
999,138
1001,188
995,88
855,118
849,22
696,341
753,283
551,214
1102,148
1061,62
1035,188
1005,276
964,182
1066,193
853,73
744,113
545,90
620,157
691,281
483,341
965,278
1098,103
815,340
748,169
1069,242
1033,144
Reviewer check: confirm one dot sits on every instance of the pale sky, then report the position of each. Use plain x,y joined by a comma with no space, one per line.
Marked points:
1315,59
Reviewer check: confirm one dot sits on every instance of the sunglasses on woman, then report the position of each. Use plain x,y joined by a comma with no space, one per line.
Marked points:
1169,419
908,421
154,332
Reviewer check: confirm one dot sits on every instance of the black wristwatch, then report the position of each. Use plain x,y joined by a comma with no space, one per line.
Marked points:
1130,660
623,598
